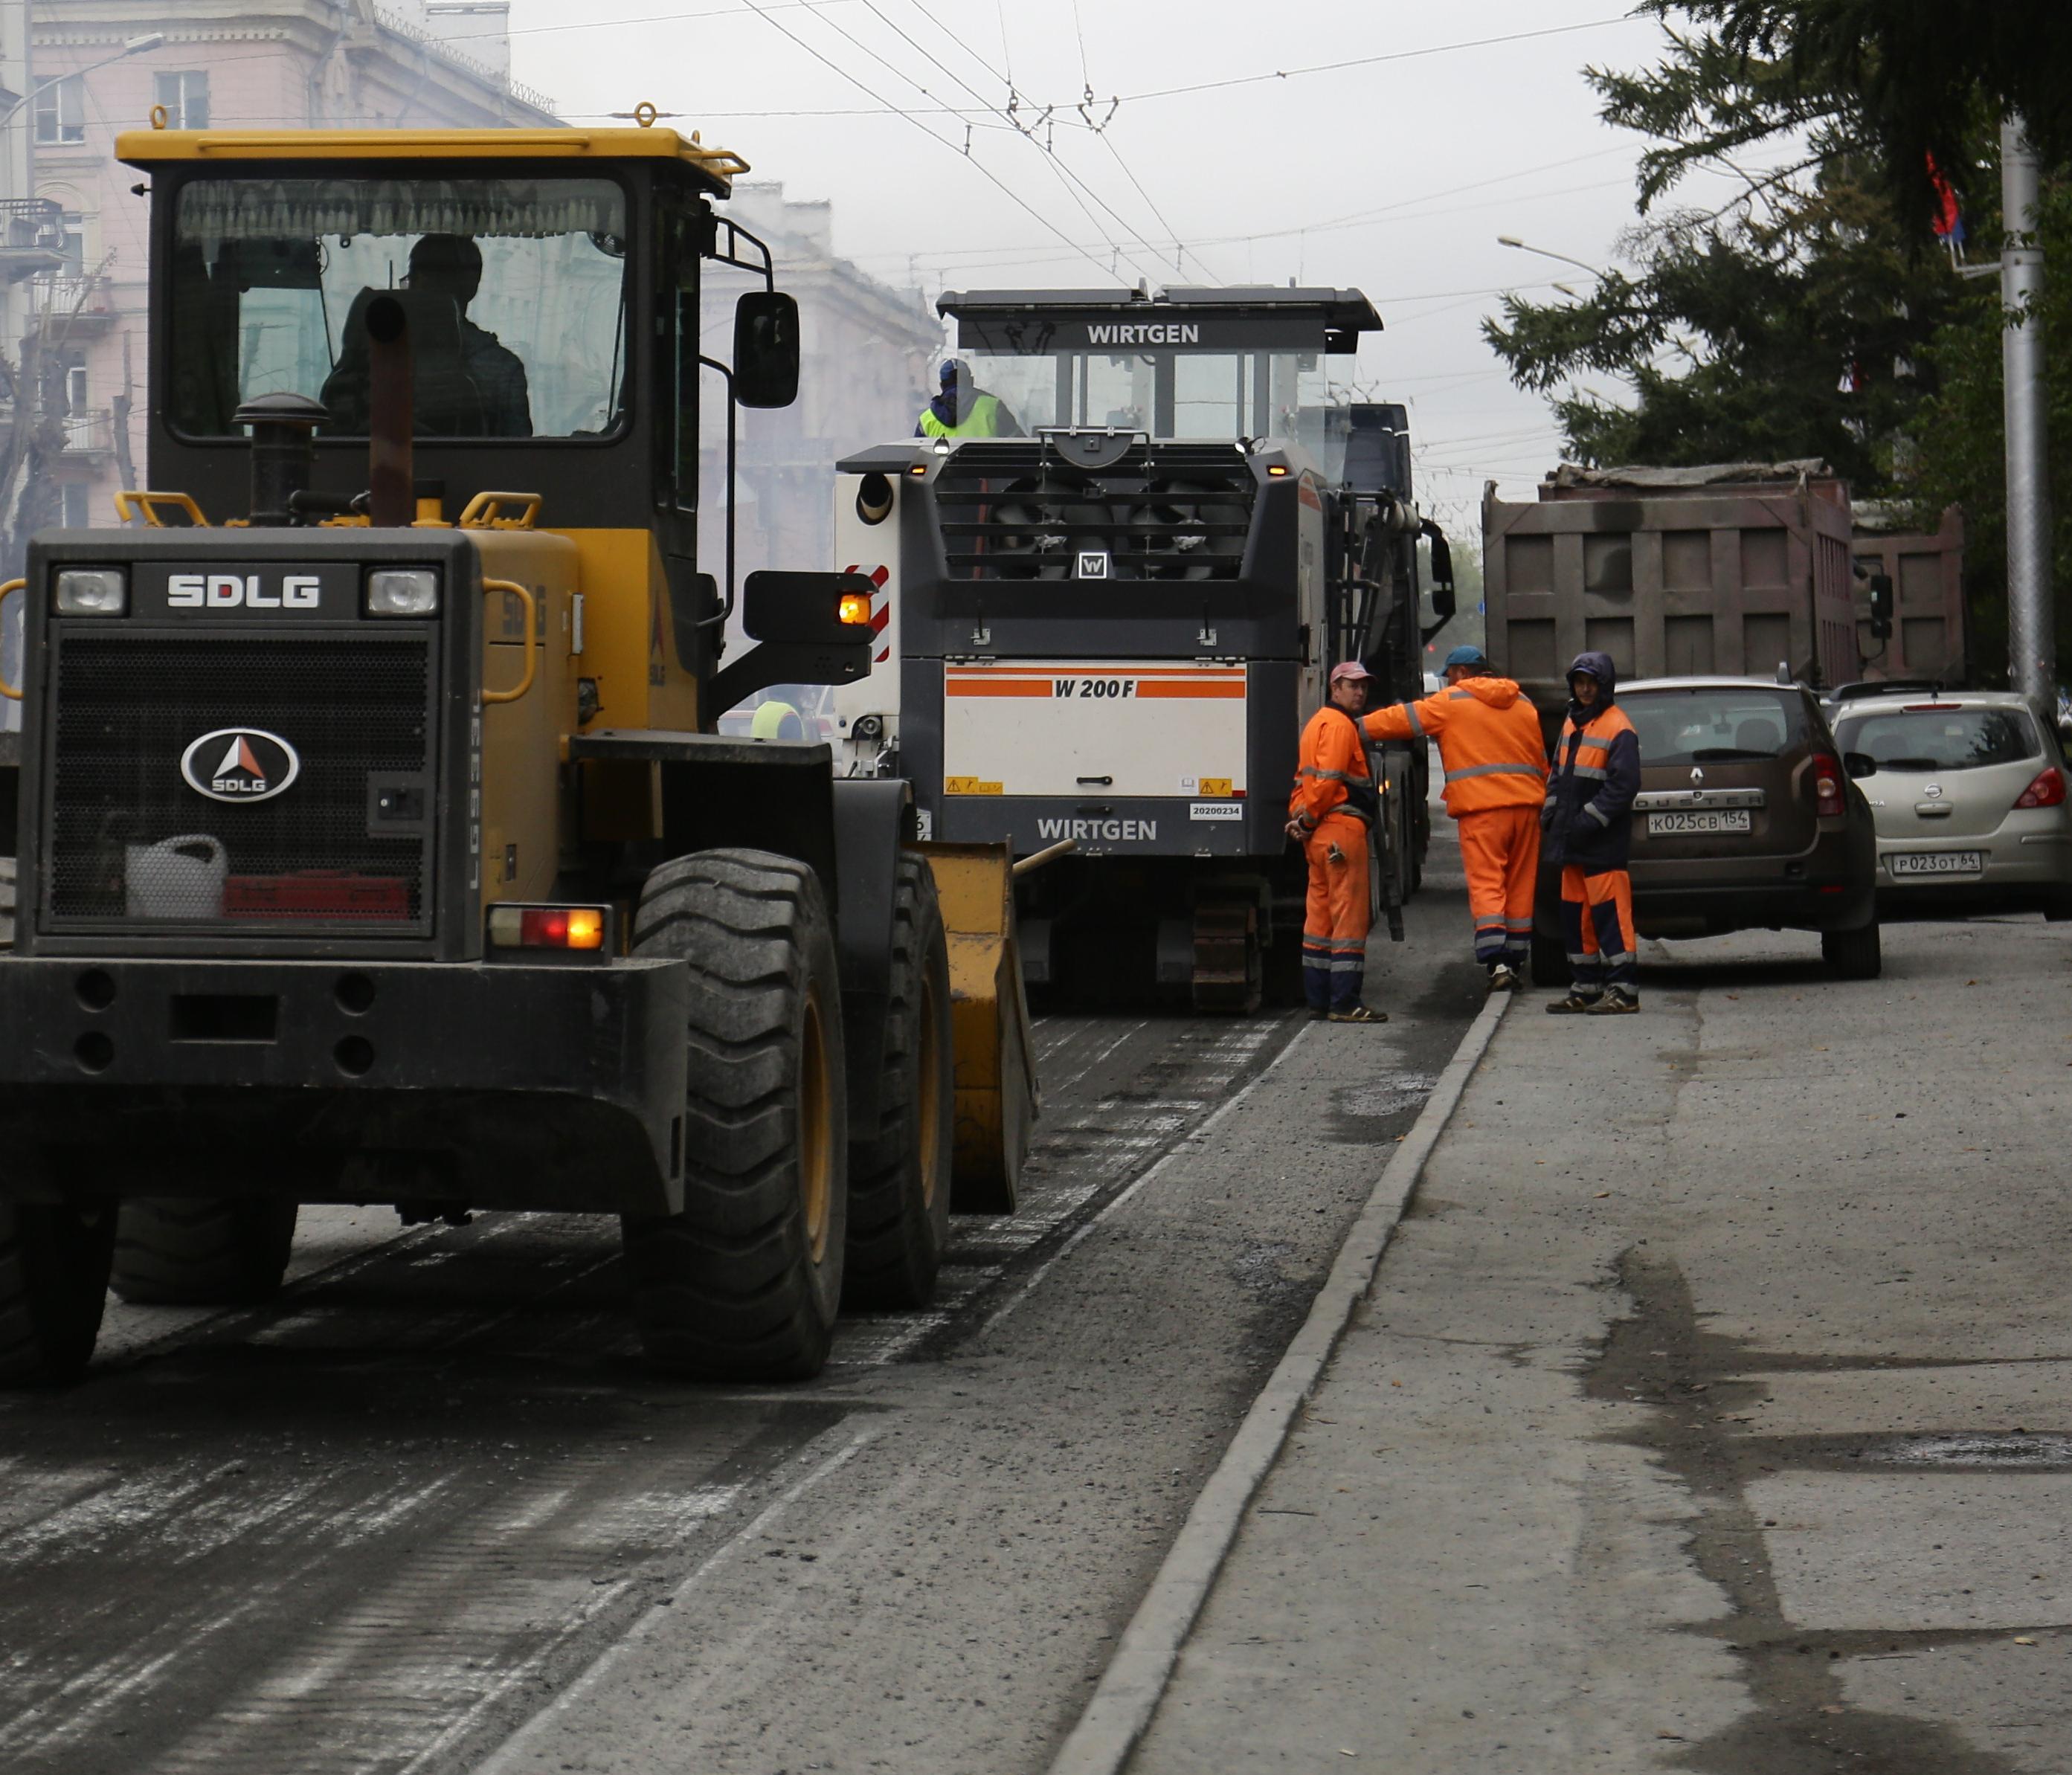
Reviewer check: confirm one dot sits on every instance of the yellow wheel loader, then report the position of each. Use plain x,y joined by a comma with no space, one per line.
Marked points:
375,842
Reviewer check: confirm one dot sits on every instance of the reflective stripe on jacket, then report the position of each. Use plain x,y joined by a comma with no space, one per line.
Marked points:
1597,775
1332,776
1489,743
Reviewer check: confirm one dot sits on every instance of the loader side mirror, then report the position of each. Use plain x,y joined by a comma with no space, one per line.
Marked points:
766,349
1442,572
1880,606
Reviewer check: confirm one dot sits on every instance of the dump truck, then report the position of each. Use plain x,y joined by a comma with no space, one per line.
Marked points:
375,844
1743,568
1105,623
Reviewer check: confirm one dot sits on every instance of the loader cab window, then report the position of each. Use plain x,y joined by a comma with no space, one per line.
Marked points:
516,291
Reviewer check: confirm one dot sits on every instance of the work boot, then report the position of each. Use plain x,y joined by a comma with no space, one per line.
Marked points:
1359,1013
1577,1004
1504,978
1617,1002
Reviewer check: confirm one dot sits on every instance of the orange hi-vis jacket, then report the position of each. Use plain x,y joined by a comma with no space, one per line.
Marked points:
1488,741
1333,767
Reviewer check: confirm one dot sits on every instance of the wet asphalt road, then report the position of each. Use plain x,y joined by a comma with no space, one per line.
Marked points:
427,1512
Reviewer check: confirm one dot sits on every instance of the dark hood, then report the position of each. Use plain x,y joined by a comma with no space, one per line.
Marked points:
1600,666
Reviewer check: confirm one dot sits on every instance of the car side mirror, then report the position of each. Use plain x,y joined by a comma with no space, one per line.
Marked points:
1858,765
766,349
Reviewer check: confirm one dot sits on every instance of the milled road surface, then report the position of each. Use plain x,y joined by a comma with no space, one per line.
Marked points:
427,1512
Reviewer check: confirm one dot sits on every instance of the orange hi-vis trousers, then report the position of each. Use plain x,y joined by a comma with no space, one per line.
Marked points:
1500,850
1597,917
1335,919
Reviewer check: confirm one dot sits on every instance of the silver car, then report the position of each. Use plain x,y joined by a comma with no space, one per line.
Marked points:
1969,799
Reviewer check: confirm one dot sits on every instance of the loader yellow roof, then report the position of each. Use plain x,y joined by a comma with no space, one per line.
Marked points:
149,148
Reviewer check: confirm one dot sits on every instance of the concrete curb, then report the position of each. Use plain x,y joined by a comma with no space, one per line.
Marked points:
1120,1709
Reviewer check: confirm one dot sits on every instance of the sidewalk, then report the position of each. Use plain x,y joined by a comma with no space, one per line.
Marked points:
1697,1418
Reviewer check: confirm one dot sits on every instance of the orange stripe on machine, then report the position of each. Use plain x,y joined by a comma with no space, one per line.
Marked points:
1214,684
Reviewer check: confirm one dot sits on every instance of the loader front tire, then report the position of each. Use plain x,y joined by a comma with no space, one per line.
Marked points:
53,1285
202,1250
899,1172
745,1283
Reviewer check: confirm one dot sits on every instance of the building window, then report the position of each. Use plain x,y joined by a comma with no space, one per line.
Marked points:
61,111
77,499
185,97
72,243
75,388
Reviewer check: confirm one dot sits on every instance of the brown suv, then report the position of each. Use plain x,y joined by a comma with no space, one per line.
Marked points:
1746,818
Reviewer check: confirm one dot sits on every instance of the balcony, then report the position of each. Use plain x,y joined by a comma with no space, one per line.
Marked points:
88,435
31,238
71,307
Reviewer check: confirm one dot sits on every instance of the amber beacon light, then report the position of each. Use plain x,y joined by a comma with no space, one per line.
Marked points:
855,607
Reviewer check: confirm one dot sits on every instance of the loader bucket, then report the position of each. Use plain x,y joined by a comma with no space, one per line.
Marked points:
997,1099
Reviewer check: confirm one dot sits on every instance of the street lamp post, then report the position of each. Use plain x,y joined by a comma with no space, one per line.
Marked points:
1511,241
2032,615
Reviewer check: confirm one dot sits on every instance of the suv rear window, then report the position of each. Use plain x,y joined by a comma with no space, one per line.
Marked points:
1718,725
1941,739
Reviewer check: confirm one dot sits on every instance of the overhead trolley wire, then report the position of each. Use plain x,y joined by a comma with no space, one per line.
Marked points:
1005,189
1367,61
1065,174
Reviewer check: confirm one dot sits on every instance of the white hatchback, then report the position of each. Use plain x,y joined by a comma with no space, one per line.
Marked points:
1969,799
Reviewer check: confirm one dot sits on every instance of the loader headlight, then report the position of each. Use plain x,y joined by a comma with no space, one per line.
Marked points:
90,591
407,591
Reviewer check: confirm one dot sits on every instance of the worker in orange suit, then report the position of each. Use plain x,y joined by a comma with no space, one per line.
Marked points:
1330,815
1495,761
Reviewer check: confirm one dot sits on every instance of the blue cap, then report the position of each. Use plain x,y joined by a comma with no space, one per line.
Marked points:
952,368
1466,656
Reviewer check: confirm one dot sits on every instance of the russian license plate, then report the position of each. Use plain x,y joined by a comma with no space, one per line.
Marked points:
1936,862
1699,819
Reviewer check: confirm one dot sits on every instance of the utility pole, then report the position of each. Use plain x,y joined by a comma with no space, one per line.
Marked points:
2031,605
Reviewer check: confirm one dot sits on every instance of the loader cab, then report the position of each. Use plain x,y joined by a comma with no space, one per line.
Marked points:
550,283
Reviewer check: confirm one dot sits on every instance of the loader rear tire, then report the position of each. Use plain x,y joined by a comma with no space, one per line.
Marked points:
202,1250
899,1174
53,1285
744,1284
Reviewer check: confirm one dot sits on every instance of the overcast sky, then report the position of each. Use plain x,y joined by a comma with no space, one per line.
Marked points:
1395,177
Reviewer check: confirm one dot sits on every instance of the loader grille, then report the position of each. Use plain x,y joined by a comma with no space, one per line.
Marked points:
1013,510
348,846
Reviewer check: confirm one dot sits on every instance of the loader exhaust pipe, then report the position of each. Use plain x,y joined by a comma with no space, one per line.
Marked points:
391,478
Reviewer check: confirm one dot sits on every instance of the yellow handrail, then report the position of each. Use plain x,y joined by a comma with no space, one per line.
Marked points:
482,510
532,640
6,592
129,504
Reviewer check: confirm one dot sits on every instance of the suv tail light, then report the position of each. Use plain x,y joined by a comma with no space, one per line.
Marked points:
1829,801
2048,791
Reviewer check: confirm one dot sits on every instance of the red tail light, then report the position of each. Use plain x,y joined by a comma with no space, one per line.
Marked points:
2048,791
1829,801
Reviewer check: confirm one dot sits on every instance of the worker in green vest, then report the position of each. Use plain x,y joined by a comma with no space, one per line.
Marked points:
963,409
777,719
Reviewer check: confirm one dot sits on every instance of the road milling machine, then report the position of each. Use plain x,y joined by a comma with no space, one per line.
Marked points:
1109,629
374,841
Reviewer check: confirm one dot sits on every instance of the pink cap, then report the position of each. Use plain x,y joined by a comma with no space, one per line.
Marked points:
1352,668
